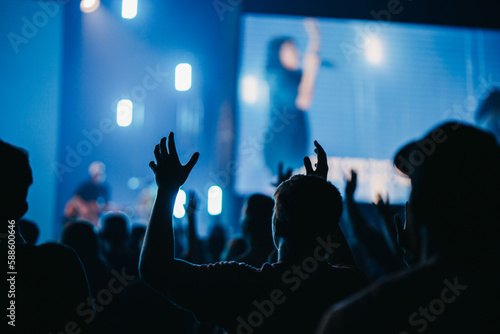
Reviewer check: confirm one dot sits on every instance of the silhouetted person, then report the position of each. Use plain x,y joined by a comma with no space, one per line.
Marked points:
50,284
91,197
452,221
135,240
234,248
216,242
256,226
82,237
286,297
29,231
114,234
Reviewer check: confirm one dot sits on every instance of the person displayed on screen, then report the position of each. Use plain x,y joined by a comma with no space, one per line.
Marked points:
291,86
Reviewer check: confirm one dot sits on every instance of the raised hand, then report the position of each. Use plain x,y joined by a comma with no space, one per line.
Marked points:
321,166
192,203
351,184
282,176
168,169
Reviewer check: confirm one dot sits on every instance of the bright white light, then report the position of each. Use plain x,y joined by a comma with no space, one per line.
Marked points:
183,77
180,200
124,111
249,89
88,6
129,9
373,50
214,205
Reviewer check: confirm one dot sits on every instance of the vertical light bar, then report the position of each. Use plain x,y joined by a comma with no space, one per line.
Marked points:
124,111
250,87
183,77
129,9
180,200
214,205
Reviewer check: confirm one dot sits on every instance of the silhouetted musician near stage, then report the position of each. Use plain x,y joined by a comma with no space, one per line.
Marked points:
91,197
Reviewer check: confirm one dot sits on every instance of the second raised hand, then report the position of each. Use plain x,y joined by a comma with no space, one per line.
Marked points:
321,165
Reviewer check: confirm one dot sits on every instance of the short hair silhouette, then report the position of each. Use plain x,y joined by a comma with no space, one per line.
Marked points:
307,207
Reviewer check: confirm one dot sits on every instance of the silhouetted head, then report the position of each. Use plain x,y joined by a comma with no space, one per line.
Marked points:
257,219
136,237
15,179
306,207
29,231
488,114
97,172
282,53
82,237
115,229
454,172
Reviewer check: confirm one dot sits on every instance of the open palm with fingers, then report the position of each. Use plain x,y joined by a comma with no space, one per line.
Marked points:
168,169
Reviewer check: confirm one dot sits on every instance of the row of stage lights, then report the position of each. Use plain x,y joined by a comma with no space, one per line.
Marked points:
183,71
129,7
125,107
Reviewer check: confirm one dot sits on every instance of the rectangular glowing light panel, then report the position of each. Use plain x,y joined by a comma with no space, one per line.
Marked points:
183,77
124,111
129,9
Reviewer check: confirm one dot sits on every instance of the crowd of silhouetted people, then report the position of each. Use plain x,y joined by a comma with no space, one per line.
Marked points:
307,260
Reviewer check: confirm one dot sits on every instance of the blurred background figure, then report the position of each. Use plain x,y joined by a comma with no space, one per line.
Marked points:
92,196
114,235
82,237
488,114
256,225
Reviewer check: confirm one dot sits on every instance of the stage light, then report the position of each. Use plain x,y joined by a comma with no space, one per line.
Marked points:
249,86
88,6
133,183
129,9
180,200
373,50
214,205
124,111
183,77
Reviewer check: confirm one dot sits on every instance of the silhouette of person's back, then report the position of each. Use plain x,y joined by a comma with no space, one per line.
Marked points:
50,283
286,297
452,220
